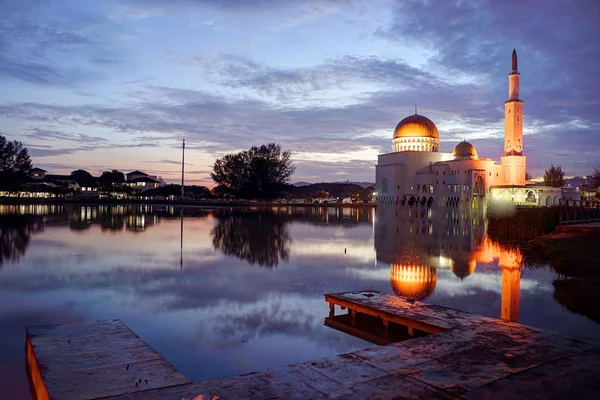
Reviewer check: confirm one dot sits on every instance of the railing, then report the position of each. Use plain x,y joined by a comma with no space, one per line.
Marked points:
578,211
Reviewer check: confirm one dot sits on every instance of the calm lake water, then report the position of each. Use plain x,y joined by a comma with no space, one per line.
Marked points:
222,292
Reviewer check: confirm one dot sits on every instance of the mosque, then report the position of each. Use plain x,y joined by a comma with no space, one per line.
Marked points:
416,172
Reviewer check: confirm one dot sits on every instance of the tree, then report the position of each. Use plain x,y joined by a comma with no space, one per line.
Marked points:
262,239
15,164
528,176
554,176
169,190
83,178
259,173
109,179
596,177
198,191
15,233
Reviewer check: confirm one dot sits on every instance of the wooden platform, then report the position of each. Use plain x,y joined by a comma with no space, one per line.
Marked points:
93,360
424,317
470,357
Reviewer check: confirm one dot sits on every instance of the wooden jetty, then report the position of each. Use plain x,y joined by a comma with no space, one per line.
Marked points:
452,354
93,360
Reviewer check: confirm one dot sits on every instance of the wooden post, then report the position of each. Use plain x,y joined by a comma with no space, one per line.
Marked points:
561,209
353,317
386,324
331,310
410,331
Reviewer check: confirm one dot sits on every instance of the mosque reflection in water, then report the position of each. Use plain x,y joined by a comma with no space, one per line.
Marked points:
418,241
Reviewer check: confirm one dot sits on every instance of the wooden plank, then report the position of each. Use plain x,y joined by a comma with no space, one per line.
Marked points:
438,318
36,380
94,360
78,329
414,320
54,346
111,381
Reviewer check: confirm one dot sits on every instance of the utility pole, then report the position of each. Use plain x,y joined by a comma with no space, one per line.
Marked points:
182,165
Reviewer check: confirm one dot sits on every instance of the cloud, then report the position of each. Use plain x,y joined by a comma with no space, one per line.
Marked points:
343,72
75,142
52,135
43,50
558,50
149,8
338,107
172,162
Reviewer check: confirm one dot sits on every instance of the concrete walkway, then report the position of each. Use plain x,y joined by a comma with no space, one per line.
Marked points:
473,357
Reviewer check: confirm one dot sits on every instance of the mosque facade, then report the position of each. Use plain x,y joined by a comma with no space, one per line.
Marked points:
417,172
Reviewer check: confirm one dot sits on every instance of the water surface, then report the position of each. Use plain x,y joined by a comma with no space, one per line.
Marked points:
221,292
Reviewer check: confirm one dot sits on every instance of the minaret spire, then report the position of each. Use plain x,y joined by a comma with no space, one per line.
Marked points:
513,162
514,60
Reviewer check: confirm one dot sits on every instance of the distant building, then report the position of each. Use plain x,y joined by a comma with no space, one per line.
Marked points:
141,181
42,184
37,173
134,175
416,172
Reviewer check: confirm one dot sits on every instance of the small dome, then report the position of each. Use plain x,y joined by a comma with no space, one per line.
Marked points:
464,269
416,126
413,281
465,151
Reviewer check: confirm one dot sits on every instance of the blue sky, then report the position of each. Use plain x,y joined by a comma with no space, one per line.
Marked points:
109,84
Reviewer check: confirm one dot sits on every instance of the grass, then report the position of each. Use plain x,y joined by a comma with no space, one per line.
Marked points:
523,225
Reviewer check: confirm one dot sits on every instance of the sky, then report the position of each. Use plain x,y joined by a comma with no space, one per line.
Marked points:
117,84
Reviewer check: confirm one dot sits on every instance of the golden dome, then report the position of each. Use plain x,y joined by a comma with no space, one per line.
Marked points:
463,269
413,281
416,126
465,150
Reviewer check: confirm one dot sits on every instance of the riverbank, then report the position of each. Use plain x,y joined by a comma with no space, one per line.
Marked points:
523,224
196,203
572,253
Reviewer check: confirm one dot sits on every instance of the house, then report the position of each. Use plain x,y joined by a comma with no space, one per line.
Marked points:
141,181
37,173
144,183
77,181
81,183
134,175
66,181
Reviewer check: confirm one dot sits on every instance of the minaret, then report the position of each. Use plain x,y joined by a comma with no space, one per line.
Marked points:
513,162
513,113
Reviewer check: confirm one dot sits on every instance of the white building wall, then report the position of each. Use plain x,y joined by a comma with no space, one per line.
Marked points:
402,171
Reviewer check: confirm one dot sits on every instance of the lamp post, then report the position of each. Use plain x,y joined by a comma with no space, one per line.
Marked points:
182,165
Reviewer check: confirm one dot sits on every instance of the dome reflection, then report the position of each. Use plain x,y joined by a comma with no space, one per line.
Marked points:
413,281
